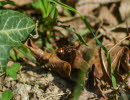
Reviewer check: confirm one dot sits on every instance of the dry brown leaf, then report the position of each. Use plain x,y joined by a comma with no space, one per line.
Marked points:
119,56
50,60
125,59
120,60
78,60
85,9
96,61
116,54
97,1
107,17
124,9
94,83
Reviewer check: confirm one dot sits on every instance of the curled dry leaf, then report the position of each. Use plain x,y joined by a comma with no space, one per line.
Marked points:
120,60
107,17
115,58
50,60
119,56
96,62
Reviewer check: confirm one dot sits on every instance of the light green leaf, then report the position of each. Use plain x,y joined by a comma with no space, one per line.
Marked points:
12,70
25,52
55,12
15,27
44,6
65,6
78,35
7,95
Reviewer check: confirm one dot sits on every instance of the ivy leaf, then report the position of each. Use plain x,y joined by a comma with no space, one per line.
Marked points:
7,95
15,27
12,70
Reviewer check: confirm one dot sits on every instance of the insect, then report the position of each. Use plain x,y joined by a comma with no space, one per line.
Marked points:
66,53
60,51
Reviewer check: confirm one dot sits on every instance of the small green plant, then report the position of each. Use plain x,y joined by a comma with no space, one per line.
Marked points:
12,70
7,95
49,13
49,17
46,7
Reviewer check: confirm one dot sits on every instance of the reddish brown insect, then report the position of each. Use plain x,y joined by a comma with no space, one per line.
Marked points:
60,51
67,53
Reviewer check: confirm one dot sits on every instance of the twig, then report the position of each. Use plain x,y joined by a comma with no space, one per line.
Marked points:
118,43
53,95
36,30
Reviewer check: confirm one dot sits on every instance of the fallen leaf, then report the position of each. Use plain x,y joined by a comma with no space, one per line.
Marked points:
124,9
50,60
120,60
107,17
115,57
125,59
94,84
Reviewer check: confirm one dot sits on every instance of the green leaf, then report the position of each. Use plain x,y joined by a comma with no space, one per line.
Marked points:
44,6
78,35
114,83
13,55
15,27
37,4
7,95
80,81
2,3
65,6
12,70
55,12
25,52
90,29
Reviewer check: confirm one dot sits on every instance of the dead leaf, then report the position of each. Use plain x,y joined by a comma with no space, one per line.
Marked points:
125,59
85,9
116,54
50,60
97,1
107,17
119,56
119,60
96,61
124,9
94,84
